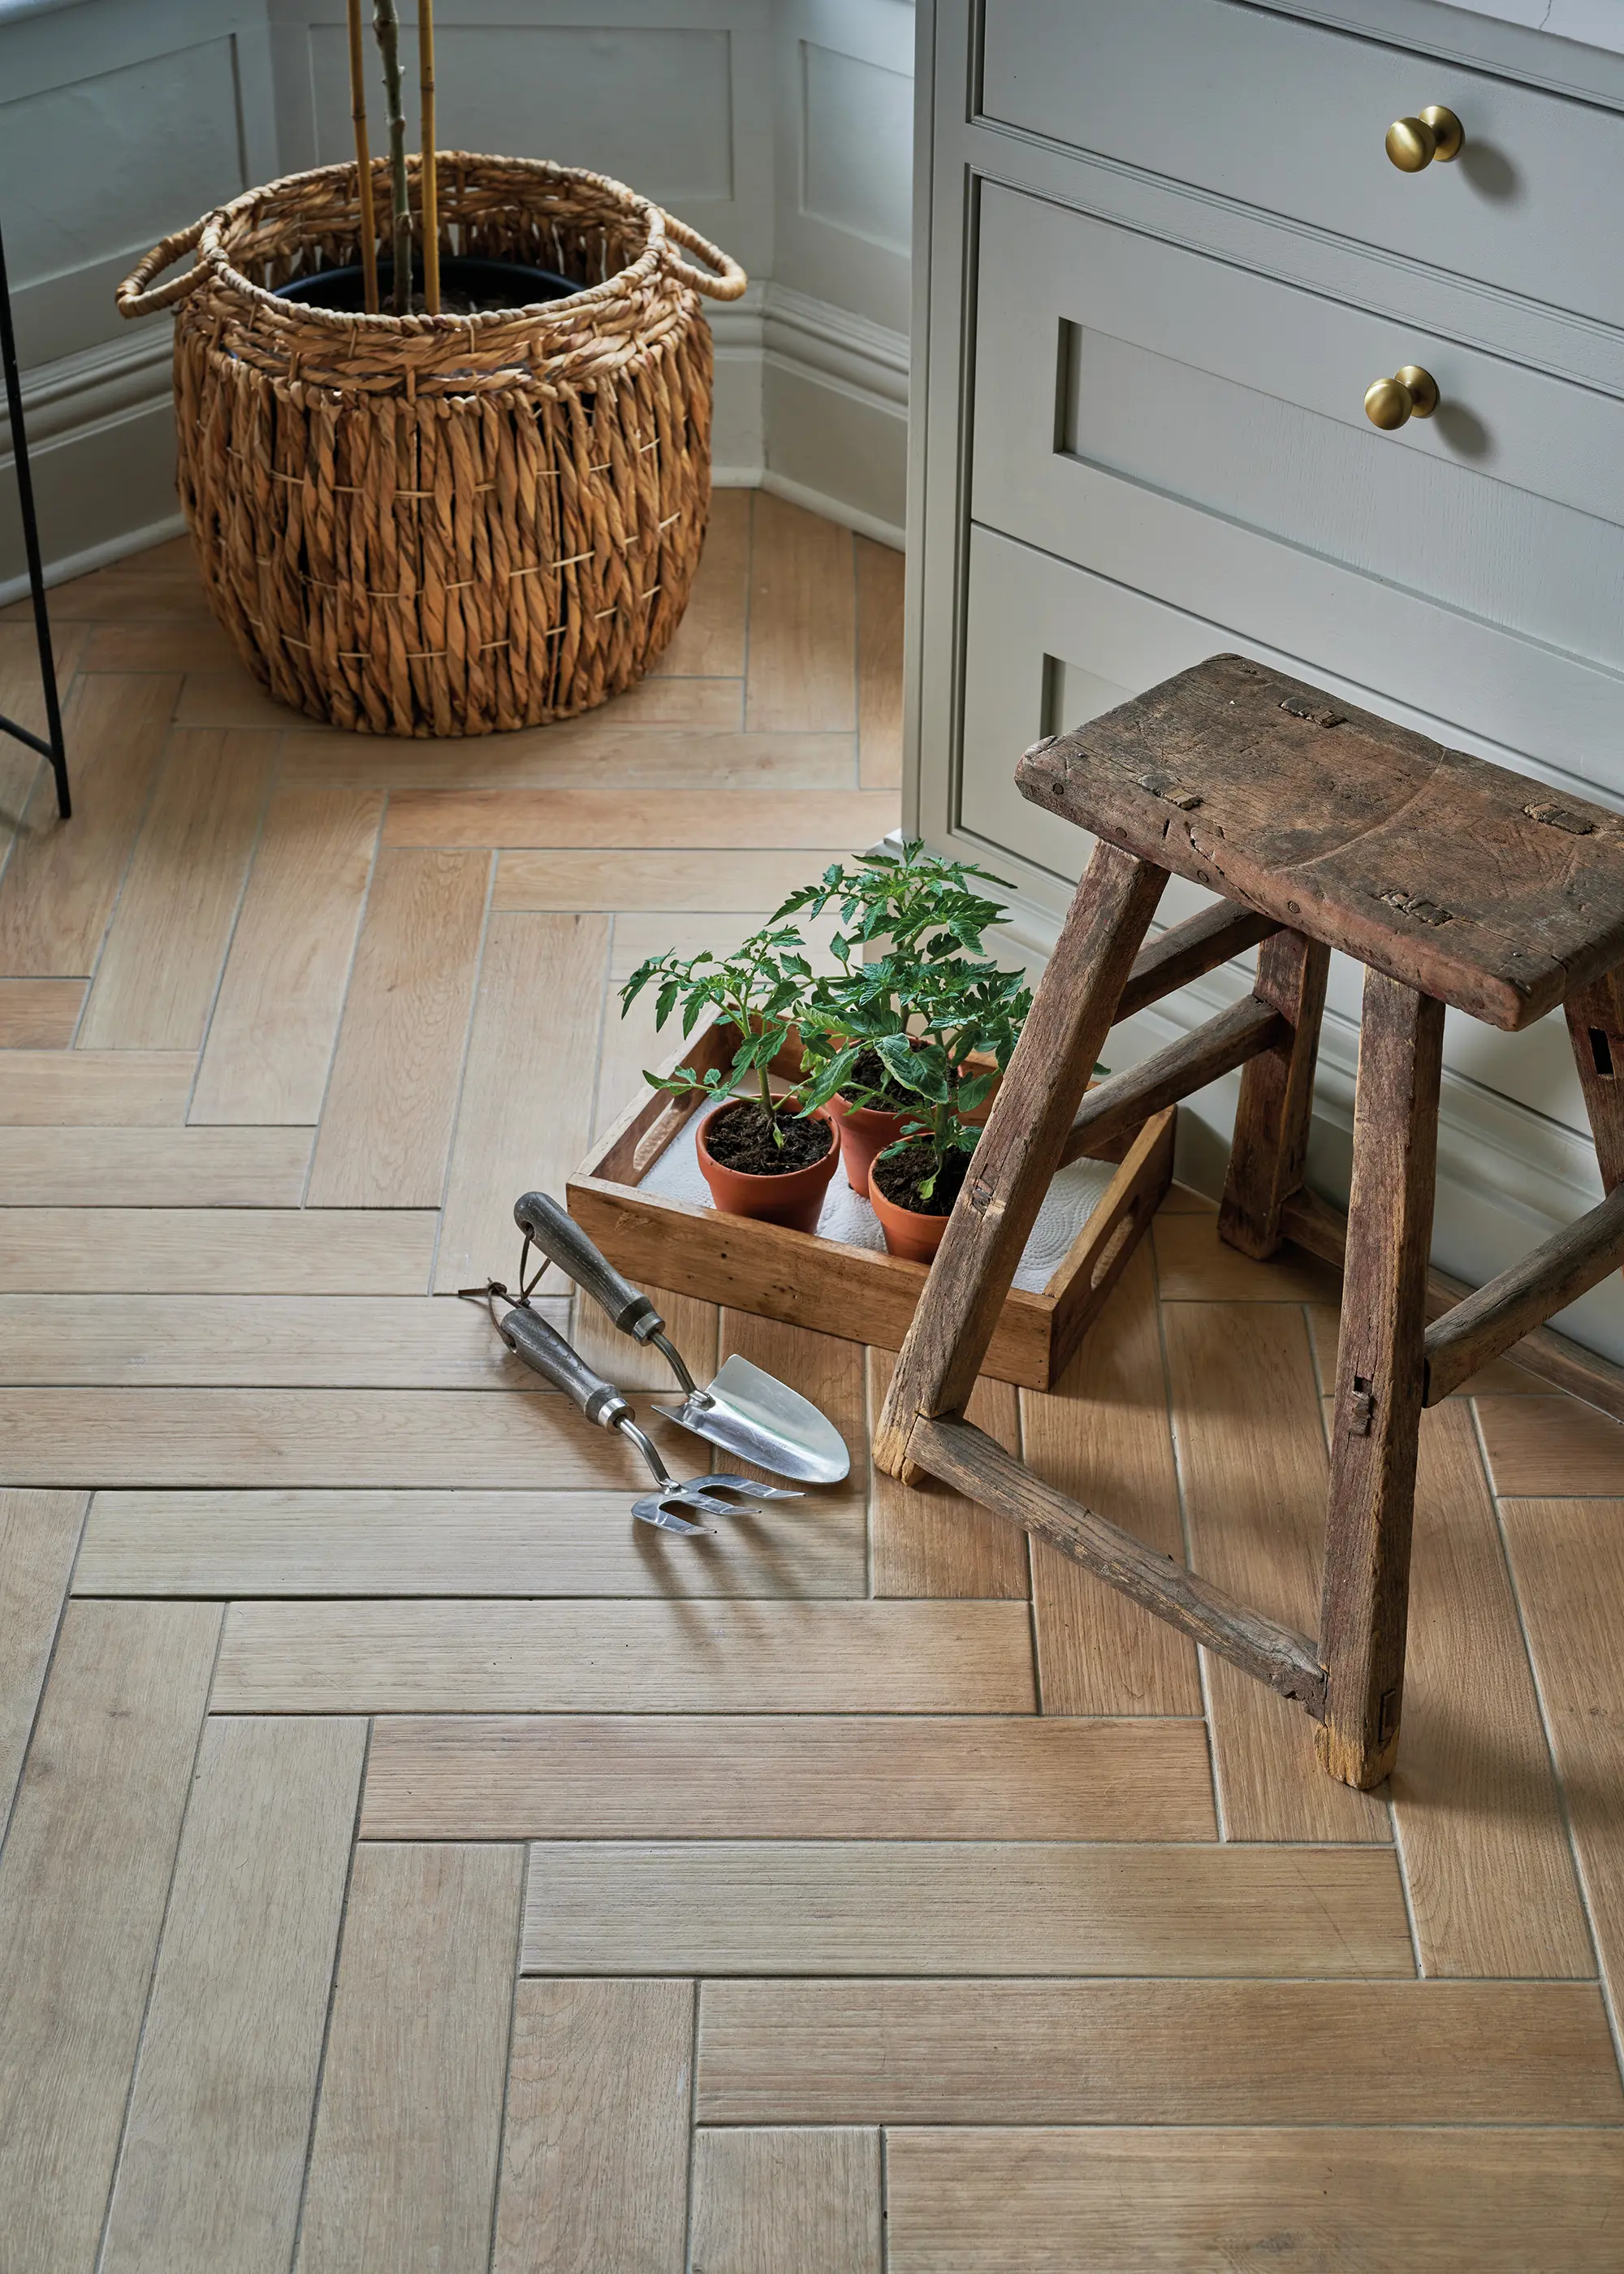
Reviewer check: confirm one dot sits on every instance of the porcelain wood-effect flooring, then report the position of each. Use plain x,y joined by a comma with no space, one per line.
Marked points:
409,1863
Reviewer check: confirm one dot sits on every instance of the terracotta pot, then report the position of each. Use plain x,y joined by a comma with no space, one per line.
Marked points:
908,1231
865,1131
795,1198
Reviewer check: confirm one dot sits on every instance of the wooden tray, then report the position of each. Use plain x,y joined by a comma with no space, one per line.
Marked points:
811,1281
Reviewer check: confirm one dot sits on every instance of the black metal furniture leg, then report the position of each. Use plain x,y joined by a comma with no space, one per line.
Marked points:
54,748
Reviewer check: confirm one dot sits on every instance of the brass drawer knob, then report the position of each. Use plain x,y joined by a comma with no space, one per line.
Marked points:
1434,133
1410,393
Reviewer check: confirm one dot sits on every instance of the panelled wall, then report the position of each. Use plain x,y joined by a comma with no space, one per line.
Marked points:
836,336
1140,436
780,128
120,120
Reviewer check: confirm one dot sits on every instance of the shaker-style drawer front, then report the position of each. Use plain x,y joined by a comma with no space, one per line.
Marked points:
1291,118
1197,431
1047,648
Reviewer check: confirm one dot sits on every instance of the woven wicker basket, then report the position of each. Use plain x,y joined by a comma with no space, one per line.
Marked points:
445,524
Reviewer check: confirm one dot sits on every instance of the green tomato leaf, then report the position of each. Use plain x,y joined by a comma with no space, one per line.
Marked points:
900,1061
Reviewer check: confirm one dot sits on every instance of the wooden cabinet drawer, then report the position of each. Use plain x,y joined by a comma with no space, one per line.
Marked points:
1191,429
1290,118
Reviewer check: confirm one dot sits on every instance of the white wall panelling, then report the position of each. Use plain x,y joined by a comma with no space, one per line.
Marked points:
119,119
836,386
780,128
674,96
844,91
1138,439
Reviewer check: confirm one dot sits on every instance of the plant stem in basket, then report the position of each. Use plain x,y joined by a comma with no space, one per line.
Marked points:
364,161
387,23
431,185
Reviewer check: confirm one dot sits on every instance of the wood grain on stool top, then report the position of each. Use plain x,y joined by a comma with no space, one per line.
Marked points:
1418,860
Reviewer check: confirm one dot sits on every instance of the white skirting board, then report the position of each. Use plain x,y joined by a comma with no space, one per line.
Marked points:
1507,1176
812,403
101,448
810,400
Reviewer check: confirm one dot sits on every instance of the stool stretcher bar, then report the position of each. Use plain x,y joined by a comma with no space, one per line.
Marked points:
1319,1228
1186,951
1124,1100
1481,1326
977,1465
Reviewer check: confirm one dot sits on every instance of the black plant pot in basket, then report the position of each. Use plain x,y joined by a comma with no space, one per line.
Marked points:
465,285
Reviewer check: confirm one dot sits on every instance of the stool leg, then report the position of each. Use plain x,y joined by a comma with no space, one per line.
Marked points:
1595,1023
1020,1147
1379,1379
1277,1097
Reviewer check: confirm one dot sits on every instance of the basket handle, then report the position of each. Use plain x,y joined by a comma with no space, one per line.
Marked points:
724,280
134,298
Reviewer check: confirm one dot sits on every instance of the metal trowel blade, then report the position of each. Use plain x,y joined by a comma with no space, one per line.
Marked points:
759,1418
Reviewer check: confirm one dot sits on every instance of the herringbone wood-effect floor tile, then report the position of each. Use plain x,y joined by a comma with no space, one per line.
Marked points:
408,1861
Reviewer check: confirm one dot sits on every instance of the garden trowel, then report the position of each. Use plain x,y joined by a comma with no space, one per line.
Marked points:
529,1337
750,1413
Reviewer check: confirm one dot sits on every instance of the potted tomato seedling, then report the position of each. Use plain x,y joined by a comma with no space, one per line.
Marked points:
762,1156
966,1017
929,914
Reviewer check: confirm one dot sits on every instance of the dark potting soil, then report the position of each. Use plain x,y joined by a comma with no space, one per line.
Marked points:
869,1074
738,1138
901,1177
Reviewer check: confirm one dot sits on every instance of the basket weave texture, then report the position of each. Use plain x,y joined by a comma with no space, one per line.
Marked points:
445,524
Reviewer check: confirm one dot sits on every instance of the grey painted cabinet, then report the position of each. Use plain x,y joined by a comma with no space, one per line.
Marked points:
1162,254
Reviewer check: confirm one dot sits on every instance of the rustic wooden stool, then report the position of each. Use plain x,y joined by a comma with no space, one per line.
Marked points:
1453,882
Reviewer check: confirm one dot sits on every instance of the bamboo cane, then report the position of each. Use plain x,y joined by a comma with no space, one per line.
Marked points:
363,161
385,23
431,185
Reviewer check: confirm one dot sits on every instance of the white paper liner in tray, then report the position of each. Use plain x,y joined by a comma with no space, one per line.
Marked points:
1071,1200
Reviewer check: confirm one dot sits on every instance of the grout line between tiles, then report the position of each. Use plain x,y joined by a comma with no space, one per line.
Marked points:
344,1005
163,1927
885,2156
513,2022
693,2133
10,1810
327,2023
97,952
1220,1812
439,1211
272,774
1615,2018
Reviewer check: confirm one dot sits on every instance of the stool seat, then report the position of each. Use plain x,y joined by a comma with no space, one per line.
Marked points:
1471,883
